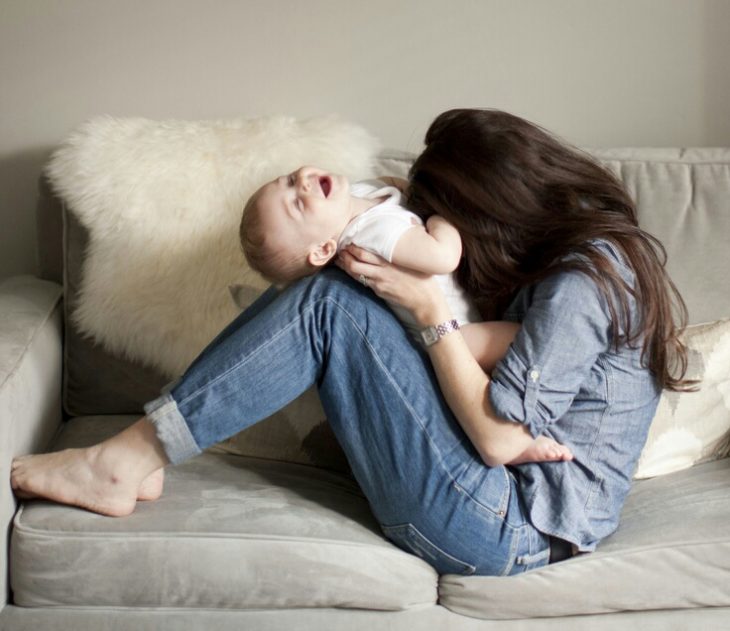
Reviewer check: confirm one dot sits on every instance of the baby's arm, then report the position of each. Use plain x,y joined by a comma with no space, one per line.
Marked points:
435,250
488,343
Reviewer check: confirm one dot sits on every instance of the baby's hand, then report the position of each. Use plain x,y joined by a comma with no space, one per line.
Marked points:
543,449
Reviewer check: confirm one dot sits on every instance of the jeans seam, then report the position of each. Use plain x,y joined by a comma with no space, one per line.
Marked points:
395,386
244,361
501,514
372,350
512,556
534,553
398,527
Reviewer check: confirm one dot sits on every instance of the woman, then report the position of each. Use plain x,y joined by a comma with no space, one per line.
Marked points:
550,241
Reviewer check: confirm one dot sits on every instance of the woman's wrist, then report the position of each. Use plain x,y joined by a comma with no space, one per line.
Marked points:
432,312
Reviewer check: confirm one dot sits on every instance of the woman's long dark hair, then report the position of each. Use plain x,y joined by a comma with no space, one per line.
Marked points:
523,201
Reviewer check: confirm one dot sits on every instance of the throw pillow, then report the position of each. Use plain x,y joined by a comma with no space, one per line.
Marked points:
693,427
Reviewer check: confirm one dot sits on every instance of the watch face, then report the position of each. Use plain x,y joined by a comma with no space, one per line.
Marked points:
429,335
432,334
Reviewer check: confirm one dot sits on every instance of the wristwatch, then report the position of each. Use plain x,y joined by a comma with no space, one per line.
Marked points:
432,334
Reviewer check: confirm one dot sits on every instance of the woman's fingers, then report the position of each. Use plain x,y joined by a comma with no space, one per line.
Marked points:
363,255
409,289
355,266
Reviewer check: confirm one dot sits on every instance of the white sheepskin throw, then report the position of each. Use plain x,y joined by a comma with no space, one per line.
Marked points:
162,202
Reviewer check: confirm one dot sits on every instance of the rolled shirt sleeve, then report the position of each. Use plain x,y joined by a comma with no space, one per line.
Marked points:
565,328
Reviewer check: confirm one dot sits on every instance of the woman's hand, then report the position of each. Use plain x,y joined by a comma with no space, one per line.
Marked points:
419,293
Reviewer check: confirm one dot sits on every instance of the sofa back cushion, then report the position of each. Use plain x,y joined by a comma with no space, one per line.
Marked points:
683,199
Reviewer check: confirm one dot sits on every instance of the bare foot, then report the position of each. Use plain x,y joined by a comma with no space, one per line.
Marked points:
151,487
105,478
76,477
543,449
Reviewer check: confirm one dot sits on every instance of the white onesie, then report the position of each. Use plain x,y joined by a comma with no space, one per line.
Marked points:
379,229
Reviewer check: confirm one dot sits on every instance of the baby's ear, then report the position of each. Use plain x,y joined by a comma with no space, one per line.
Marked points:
322,254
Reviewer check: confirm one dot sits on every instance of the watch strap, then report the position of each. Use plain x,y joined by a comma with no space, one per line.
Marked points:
432,334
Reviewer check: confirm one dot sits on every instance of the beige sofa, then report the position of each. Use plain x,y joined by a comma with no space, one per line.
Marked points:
255,543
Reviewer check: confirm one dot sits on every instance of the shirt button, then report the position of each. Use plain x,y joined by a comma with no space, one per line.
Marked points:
534,374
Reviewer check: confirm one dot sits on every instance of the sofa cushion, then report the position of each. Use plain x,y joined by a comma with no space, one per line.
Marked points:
671,551
683,199
228,532
693,427
96,381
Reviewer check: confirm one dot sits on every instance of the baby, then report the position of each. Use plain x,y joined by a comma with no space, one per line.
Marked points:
295,225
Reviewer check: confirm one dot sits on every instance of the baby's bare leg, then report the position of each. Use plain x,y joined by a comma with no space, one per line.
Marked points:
106,478
543,449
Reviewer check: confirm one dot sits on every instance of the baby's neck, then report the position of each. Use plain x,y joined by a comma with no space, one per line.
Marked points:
359,205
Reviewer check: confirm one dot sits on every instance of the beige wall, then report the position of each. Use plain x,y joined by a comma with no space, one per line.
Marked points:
598,72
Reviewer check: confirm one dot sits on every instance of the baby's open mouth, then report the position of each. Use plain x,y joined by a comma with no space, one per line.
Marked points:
325,185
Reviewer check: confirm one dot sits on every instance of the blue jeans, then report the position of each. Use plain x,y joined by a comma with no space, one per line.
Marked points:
425,482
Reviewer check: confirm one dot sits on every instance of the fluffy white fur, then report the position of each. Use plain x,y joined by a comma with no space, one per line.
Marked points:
162,202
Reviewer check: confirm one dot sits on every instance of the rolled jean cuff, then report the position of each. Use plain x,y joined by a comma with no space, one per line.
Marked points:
172,430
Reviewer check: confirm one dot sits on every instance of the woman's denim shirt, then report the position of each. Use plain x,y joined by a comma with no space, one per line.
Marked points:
562,378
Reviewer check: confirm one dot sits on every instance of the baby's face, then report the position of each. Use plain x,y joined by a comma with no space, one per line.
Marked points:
306,207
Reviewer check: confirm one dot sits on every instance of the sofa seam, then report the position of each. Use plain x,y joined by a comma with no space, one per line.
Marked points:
649,161
406,159
208,609
589,557
28,531
41,325
246,360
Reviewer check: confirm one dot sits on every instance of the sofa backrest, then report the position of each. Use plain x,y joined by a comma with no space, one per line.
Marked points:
683,198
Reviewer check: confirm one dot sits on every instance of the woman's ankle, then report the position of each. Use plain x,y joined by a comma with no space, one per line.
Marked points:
135,452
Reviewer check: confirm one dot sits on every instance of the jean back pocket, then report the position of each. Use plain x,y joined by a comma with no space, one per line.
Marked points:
408,538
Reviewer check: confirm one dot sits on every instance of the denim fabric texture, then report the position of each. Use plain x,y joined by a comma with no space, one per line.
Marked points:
562,378
427,486
425,482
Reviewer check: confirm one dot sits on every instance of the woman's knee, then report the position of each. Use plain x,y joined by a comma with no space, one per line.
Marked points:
333,288
332,281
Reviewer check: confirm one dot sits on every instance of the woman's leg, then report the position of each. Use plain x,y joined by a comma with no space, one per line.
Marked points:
425,482
110,477
151,487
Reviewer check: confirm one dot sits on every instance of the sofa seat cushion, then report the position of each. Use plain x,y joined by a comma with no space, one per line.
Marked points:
228,532
671,551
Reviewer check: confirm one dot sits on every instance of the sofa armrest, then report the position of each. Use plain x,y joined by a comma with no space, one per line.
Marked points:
30,383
